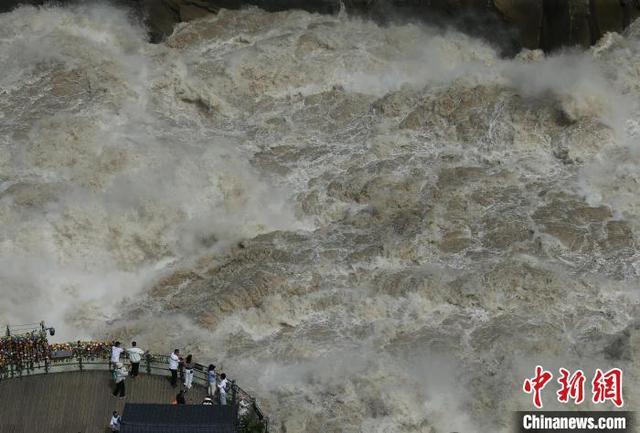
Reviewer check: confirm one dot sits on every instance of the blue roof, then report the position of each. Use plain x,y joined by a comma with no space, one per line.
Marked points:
183,418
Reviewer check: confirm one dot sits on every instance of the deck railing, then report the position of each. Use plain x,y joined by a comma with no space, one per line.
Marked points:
78,358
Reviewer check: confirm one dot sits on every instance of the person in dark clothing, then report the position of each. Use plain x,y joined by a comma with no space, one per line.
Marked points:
181,369
180,398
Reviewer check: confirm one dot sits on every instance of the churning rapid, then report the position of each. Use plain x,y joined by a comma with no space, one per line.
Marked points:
374,229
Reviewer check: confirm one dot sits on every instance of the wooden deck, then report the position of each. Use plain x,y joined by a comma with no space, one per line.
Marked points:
77,402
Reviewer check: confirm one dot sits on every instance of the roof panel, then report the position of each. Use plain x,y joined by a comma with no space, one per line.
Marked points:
161,418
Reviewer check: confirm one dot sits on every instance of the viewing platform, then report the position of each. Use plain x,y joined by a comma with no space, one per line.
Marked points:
67,388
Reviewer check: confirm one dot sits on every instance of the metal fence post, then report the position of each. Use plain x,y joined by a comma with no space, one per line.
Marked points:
147,359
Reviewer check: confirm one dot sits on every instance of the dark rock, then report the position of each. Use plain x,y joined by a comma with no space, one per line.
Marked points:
507,24
160,19
619,348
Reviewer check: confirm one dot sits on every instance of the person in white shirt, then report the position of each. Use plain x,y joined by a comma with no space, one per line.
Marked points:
222,389
188,371
119,375
116,350
114,425
174,360
211,378
135,355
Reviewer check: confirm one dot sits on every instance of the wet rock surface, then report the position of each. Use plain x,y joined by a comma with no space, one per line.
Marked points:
523,23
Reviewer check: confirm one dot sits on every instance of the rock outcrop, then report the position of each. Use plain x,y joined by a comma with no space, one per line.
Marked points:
545,24
510,24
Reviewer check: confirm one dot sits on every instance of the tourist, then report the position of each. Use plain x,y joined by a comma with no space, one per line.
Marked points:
119,375
207,401
116,350
174,359
181,369
211,378
222,389
135,355
180,398
114,425
188,371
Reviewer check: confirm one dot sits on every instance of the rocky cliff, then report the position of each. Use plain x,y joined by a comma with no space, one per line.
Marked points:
545,24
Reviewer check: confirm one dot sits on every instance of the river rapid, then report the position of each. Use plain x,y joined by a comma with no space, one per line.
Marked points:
372,228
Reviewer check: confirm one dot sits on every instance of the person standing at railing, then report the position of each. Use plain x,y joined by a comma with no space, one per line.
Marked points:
211,379
222,389
116,350
188,371
135,355
119,376
174,360
181,369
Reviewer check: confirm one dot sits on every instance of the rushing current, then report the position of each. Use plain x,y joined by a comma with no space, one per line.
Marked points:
372,228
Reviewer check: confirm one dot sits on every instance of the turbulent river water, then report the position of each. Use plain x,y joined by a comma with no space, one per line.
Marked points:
374,229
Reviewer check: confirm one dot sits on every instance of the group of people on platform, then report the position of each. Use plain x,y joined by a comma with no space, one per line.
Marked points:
20,350
217,386
120,372
185,366
178,366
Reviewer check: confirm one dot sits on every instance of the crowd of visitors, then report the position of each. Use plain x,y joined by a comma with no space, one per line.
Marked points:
119,371
179,367
22,351
33,347
184,368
